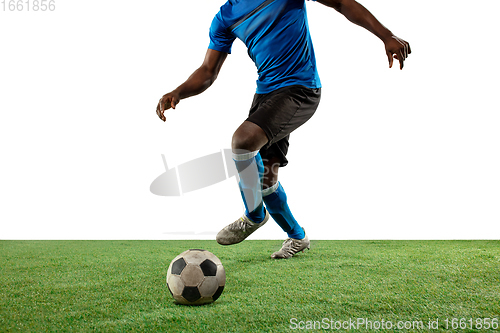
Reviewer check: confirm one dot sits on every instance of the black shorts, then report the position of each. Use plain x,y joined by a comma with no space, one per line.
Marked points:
281,112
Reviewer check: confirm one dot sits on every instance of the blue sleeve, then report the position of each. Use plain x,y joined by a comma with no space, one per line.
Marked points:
220,38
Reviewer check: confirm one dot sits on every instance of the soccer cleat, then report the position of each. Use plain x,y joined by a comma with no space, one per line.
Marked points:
237,231
291,247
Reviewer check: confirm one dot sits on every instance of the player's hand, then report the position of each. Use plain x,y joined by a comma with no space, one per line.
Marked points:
168,101
398,49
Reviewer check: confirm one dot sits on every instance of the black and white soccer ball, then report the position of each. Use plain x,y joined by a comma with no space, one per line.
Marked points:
196,277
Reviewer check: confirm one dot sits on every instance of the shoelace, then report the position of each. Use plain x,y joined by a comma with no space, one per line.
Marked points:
290,247
241,225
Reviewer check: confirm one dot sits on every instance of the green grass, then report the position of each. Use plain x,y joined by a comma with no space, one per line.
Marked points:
120,285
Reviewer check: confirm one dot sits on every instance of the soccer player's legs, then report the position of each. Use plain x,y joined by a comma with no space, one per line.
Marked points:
279,114
272,118
246,143
275,200
288,108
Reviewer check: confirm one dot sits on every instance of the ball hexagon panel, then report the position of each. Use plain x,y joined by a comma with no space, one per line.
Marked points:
194,257
175,284
181,300
192,275
221,275
209,286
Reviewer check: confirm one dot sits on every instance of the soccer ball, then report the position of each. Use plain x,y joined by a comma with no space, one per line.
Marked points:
196,277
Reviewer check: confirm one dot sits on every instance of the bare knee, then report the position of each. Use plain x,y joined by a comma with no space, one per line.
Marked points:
242,142
248,137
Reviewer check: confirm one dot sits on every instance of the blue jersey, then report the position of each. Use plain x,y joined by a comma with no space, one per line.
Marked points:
276,34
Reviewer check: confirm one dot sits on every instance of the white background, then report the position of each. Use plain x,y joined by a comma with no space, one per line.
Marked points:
390,154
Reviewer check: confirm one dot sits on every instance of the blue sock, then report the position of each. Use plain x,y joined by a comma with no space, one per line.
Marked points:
277,206
250,170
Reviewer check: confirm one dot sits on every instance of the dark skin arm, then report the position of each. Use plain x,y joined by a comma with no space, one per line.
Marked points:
394,47
198,82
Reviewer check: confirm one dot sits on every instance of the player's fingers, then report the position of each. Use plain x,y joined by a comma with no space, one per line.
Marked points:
161,104
158,112
402,50
162,116
407,48
403,47
401,60
389,56
161,110
173,103
167,103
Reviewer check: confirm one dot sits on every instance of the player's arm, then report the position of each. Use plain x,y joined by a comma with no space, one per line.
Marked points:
198,82
357,14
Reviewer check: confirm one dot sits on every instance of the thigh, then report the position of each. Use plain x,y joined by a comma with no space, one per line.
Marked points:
281,112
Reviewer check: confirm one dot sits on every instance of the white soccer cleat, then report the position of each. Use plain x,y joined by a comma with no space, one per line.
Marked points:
291,247
239,230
